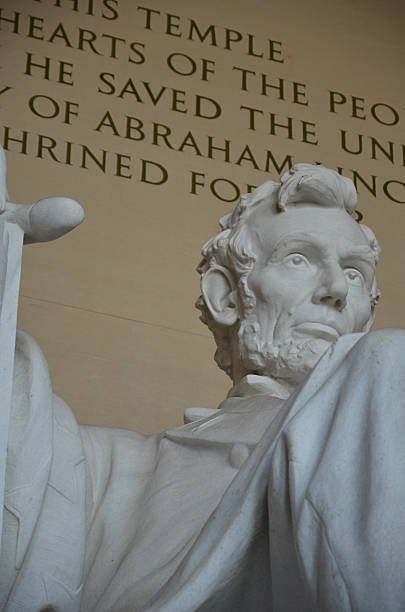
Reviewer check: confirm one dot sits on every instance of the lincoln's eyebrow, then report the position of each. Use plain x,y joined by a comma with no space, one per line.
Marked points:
296,239
362,252
353,252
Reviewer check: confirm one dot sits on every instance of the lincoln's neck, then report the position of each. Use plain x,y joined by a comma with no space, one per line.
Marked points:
240,373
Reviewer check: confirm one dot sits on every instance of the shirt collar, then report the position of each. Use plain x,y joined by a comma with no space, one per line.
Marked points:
254,384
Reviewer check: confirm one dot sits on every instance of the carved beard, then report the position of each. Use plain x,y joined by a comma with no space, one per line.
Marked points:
290,360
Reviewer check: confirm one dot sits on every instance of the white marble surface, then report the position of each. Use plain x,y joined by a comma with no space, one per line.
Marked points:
11,240
38,222
287,497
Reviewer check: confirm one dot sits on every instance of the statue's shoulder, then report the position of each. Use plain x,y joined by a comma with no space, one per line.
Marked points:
383,340
29,356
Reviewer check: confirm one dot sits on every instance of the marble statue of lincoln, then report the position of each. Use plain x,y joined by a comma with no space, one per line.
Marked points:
289,497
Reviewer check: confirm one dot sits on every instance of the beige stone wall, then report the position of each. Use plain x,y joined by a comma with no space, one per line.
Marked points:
112,304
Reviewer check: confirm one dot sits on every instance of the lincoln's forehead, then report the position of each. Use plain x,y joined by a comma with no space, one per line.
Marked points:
306,222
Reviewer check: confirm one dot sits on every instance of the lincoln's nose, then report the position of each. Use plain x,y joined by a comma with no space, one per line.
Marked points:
332,289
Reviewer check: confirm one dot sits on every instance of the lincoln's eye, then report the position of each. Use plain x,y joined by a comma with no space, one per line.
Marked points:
296,260
353,276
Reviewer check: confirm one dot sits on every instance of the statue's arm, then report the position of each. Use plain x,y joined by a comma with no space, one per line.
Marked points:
40,221
41,459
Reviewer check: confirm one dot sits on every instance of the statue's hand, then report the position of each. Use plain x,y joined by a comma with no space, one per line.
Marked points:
44,220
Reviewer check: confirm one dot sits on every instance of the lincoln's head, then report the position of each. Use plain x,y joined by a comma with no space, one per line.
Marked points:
289,273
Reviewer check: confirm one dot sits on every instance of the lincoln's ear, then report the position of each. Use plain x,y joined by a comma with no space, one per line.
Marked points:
375,297
219,292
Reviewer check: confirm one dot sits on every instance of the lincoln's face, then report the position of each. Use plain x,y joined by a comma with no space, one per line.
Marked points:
312,279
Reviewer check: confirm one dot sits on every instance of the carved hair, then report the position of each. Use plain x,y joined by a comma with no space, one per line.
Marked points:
232,247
